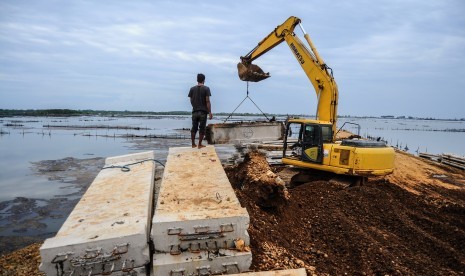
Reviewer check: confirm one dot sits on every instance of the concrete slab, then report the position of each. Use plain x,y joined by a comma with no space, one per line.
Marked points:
203,263
138,271
230,133
197,208
288,272
109,228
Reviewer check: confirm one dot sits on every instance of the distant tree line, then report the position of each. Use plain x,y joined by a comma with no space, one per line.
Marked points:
89,112
109,113
39,112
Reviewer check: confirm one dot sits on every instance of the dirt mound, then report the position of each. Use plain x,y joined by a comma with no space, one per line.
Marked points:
379,228
22,262
255,178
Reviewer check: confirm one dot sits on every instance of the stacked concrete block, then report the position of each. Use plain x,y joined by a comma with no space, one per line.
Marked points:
202,263
199,224
108,231
242,132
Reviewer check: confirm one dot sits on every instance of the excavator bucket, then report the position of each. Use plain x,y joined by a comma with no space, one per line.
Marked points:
251,72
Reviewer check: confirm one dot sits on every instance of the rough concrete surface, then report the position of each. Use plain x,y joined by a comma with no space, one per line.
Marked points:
113,215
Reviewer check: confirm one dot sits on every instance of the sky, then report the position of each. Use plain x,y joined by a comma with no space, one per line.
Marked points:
389,57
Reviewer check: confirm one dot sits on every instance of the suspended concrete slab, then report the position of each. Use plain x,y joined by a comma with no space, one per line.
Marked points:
108,230
240,132
197,212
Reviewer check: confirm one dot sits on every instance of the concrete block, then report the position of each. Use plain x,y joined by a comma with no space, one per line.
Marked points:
197,208
230,133
287,272
203,263
109,228
138,271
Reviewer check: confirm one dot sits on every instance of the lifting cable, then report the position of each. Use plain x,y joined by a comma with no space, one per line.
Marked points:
246,97
125,168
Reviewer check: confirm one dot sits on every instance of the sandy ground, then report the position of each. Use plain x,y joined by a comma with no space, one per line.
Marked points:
410,222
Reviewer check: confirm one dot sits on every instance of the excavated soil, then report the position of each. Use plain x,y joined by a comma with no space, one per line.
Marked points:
22,262
254,177
409,223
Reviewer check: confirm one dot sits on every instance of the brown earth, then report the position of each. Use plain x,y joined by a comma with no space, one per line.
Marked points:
22,262
411,222
255,177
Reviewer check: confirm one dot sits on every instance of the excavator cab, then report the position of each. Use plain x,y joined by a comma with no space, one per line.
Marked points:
306,141
251,72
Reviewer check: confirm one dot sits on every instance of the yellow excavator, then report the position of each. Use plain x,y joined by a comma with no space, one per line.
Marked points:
313,141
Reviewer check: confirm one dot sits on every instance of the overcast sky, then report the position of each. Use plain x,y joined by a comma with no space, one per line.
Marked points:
389,57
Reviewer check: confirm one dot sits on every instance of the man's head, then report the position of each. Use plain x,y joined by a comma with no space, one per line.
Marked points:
200,78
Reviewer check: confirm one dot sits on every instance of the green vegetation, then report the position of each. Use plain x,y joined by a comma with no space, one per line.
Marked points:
39,112
88,112
109,113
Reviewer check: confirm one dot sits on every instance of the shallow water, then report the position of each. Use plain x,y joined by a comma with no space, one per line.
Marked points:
433,136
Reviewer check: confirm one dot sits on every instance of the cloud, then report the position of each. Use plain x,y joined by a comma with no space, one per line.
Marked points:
149,52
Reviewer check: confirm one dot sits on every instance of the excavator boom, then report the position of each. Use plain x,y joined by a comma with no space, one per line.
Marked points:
313,65
251,72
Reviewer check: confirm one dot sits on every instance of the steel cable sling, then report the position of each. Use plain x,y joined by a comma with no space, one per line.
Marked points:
246,97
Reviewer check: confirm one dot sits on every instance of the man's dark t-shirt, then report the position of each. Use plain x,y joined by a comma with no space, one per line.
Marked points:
199,94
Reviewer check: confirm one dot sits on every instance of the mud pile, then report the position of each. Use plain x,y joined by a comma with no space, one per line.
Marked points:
412,222
22,262
255,178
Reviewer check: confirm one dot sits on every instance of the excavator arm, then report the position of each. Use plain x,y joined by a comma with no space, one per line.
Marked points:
319,74
272,40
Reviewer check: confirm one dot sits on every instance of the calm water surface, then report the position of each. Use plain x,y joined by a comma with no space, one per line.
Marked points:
433,136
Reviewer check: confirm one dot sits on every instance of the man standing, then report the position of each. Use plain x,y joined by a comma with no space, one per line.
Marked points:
200,101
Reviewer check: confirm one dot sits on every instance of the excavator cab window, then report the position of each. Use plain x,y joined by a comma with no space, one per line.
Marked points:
312,147
305,141
327,133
